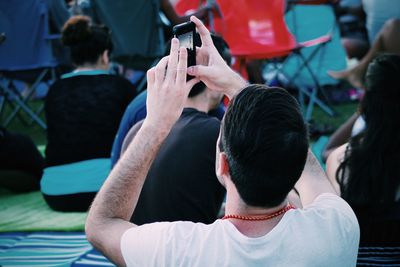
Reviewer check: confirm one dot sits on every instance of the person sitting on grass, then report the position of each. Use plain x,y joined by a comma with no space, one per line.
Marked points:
365,171
261,153
83,110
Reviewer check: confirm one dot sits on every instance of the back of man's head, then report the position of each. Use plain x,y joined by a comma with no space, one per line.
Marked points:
265,139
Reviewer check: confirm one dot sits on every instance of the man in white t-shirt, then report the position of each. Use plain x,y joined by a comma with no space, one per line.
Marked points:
261,156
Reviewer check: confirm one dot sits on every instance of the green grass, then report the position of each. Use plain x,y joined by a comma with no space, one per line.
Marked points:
344,112
38,135
22,124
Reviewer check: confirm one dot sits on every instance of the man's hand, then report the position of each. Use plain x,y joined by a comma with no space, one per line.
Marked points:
211,67
167,88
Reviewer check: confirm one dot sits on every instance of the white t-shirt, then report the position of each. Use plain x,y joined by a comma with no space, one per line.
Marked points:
326,233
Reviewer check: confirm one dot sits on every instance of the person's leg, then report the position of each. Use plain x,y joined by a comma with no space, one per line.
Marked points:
355,47
388,41
79,202
18,181
21,164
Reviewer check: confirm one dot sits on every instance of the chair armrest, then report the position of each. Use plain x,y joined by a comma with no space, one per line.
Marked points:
311,2
317,41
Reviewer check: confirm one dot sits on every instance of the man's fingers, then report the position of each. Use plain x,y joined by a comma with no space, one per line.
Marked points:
199,71
173,60
182,67
160,70
203,31
151,77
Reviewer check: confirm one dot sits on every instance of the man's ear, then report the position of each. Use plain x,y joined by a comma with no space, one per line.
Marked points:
222,168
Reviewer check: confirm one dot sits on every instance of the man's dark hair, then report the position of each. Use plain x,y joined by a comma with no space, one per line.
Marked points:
265,139
223,50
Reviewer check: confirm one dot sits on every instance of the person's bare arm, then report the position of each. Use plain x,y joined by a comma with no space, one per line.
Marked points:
130,136
340,136
313,181
113,206
332,165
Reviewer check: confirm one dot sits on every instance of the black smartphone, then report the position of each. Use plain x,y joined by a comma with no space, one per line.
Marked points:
185,33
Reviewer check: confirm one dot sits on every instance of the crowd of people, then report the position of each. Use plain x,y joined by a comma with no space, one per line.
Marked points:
173,176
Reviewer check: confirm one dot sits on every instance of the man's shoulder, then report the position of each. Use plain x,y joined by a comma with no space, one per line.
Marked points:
330,215
327,227
146,245
167,233
332,205
176,228
332,202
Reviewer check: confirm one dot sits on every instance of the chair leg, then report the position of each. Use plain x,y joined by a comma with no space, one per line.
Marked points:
3,99
302,66
318,88
11,98
313,96
25,108
22,103
30,93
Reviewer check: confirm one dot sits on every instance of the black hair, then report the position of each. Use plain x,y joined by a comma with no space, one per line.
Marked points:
370,172
87,42
265,139
223,50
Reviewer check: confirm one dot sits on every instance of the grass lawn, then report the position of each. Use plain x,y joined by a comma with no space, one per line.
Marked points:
344,112
39,135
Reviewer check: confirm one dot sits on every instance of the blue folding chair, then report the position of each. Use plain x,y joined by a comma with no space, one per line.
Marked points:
25,55
307,22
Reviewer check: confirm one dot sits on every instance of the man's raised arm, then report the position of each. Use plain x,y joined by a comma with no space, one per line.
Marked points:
168,89
113,206
313,181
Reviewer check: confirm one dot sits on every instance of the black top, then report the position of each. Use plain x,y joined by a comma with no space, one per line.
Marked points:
181,183
83,114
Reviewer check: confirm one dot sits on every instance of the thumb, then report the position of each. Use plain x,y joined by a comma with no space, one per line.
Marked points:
199,71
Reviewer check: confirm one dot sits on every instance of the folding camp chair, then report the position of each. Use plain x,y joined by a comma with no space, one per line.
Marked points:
25,55
309,19
257,30
136,29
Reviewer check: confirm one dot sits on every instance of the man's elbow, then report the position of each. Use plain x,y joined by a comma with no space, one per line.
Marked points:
91,228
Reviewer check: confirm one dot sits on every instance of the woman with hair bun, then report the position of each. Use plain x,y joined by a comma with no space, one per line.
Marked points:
366,171
83,110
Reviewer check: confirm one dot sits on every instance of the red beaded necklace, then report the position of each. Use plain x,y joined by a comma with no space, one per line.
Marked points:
259,217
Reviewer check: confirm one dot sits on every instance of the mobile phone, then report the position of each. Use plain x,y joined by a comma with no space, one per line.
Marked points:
185,33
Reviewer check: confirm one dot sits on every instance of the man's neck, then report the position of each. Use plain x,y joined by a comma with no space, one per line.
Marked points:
236,206
200,103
